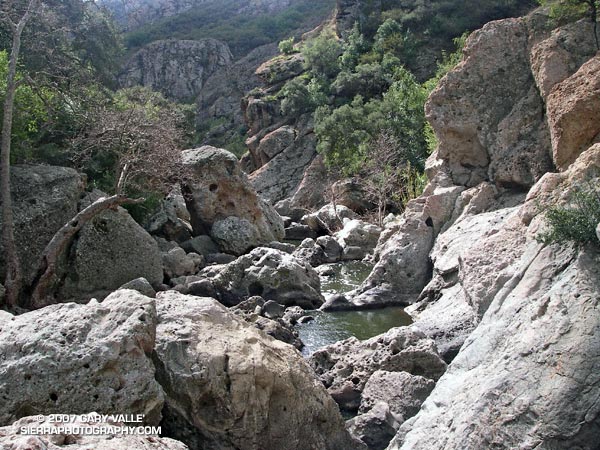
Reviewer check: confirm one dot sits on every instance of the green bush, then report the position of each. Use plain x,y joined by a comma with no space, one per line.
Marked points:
321,55
576,222
287,46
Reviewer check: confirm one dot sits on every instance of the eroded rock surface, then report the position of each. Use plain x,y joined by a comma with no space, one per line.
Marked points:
80,358
231,387
223,204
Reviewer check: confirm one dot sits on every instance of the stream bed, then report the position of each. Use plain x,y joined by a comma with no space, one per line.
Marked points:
330,327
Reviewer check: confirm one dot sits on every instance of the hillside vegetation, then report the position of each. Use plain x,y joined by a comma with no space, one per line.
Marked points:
242,32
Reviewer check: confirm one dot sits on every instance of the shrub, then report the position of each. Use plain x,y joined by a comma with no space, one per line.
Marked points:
321,55
287,46
576,222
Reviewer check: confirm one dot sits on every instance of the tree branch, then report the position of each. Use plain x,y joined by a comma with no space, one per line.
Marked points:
46,273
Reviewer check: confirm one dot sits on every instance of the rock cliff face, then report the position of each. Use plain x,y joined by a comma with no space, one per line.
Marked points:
517,133
178,69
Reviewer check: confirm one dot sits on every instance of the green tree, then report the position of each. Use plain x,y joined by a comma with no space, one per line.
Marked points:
321,54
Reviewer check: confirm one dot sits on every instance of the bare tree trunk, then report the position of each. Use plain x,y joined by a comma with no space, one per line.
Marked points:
46,273
14,276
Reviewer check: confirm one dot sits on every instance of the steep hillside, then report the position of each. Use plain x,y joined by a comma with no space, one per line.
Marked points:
243,25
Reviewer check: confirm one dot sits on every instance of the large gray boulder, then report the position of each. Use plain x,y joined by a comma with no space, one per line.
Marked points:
177,68
274,275
80,358
88,437
216,191
345,367
108,252
229,386
44,199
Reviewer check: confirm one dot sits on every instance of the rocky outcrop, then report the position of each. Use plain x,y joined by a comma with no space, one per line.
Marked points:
346,367
178,69
231,387
88,437
506,143
44,199
224,205
80,358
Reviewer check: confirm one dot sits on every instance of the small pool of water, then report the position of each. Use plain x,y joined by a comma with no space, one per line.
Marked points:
330,327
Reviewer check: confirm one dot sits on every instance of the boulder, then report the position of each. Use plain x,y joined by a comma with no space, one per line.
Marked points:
88,437
140,285
296,232
221,201
202,245
345,367
328,219
177,263
44,199
108,252
574,113
404,393
274,275
176,68
357,238
80,358
375,428
231,387
281,68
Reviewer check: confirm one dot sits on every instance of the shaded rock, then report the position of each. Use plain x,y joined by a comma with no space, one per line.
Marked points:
202,245
44,199
375,428
332,250
311,253
3,292
93,357
298,231
274,275
108,252
279,330
404,393
281,246
140,285
220,200
272,310
349,193
177,263
177,68
172,221
12,438
597,235
219,258
285,208
244,390
346,366
313,186
574,113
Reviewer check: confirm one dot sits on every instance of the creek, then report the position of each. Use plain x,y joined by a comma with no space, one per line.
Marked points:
330,327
